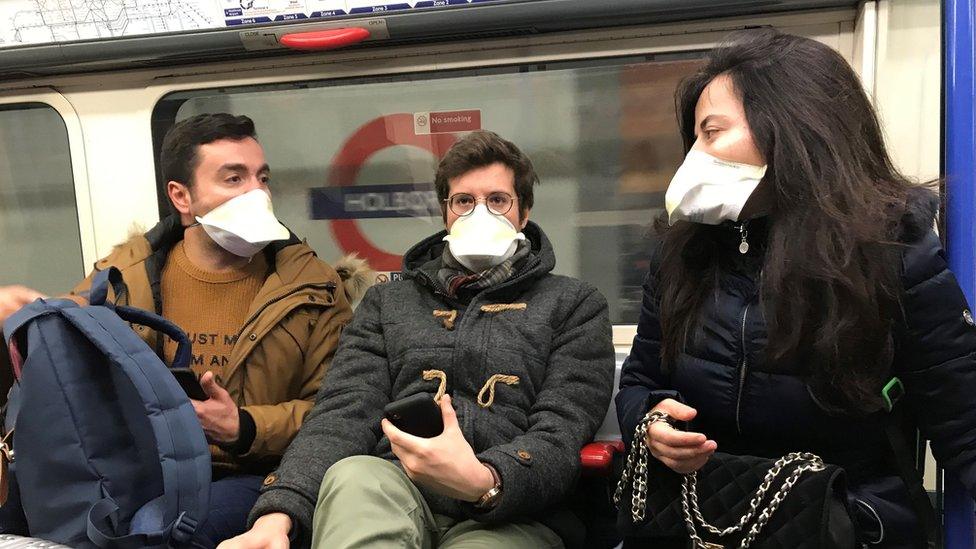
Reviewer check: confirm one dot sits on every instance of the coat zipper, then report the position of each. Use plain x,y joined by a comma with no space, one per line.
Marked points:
744,243
742,372
327,286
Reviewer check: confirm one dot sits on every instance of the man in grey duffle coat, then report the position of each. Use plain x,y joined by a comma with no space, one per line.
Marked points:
519,360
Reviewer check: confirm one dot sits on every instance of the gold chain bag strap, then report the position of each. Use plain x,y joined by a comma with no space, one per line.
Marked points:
747,527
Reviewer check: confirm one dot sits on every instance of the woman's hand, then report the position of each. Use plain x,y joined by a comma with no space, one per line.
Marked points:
682,451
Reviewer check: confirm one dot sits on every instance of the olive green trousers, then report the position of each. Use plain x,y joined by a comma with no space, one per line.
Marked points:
368,502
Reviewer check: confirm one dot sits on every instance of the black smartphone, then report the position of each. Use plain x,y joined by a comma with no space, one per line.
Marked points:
417,414
190,383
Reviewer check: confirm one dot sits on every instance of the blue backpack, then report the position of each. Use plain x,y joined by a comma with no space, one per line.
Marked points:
108,450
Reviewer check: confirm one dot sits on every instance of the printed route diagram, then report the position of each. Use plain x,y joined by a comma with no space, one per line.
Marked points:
24,22
30,22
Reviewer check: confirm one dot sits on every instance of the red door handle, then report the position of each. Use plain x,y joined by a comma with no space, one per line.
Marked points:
324,39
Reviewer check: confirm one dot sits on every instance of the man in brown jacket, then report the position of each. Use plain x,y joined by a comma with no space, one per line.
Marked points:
262,311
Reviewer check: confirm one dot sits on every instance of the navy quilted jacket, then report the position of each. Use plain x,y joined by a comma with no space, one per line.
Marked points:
750,407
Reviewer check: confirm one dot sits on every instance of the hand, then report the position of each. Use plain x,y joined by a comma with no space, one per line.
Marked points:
12,298
269,532
219,416
682,451
446,463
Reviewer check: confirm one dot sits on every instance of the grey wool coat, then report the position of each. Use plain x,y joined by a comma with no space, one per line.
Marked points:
549,334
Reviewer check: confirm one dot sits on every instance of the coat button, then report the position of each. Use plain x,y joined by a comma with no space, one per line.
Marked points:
270,479
524,456
252,337
968,317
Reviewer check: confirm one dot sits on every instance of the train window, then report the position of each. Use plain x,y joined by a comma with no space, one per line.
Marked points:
40,241
353,160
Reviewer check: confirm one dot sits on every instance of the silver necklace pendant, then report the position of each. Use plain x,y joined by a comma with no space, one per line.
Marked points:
744,245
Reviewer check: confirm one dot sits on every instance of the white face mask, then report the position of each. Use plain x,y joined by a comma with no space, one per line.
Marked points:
481,240
245,224
709,190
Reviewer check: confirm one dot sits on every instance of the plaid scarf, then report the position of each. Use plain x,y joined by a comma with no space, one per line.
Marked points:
456,277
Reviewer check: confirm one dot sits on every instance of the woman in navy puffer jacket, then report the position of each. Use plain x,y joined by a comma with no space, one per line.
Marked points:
799,275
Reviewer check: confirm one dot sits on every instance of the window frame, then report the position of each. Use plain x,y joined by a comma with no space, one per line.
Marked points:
76,149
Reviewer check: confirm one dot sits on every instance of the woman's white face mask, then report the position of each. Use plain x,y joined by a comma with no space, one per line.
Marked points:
709,190
481,239
245,224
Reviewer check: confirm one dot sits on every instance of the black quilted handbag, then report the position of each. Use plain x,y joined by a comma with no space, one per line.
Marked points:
796,502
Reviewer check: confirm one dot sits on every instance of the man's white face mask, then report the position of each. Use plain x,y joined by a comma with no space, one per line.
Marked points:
245,224
709,190
481,239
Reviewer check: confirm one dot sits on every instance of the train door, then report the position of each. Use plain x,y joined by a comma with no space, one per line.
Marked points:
47,237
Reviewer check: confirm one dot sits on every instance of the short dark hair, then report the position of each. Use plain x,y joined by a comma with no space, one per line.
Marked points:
178,157
478,150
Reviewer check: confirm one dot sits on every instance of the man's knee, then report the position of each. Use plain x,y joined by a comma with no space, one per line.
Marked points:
231,499
360,473
470,534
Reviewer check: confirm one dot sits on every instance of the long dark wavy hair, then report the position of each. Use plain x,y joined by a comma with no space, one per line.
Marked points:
830,280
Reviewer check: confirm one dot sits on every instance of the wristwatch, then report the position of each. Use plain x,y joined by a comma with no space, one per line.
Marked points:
490,498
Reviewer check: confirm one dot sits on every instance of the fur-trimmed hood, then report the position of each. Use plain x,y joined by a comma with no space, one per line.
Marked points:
356,275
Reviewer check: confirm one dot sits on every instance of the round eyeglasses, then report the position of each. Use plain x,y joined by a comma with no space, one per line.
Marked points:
463,204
